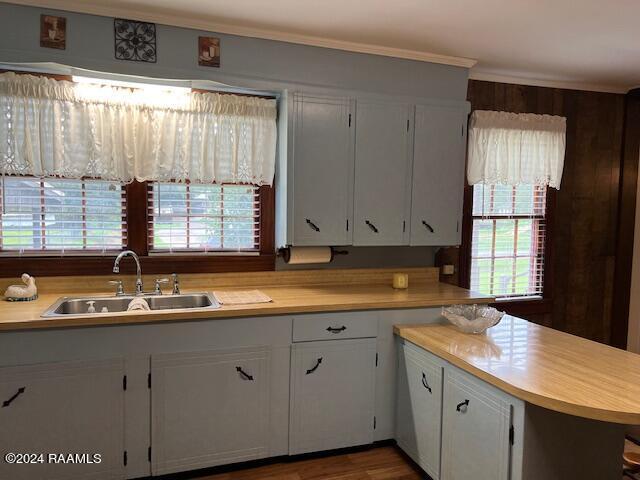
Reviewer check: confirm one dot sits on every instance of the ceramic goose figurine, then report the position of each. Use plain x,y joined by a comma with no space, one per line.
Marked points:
26,292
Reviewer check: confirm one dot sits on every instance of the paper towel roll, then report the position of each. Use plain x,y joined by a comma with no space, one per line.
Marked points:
302,255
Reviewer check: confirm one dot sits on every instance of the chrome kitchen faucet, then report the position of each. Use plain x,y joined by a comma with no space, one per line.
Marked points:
116,268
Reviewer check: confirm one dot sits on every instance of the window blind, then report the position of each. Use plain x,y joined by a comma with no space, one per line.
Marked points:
54,215
203,218
508,244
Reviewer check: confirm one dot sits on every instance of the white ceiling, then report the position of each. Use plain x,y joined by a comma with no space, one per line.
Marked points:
589,44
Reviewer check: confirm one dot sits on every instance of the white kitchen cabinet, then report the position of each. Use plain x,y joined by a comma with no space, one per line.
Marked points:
387,367
419,409
209,408
475,429
63,408
382,192
332,394
322,197
438,175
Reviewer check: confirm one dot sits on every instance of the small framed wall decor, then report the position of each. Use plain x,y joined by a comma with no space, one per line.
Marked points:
53,32
135,41
208,52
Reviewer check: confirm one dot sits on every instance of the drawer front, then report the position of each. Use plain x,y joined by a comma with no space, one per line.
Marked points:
335,326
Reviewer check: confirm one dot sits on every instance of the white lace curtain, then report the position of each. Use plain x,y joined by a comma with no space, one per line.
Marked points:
74,130
516,148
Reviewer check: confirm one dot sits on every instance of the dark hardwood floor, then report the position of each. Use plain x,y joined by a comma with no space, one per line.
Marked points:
380,463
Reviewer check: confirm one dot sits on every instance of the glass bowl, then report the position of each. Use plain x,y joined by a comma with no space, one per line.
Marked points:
472,318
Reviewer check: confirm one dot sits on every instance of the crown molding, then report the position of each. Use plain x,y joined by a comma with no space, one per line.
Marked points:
107,10
487,75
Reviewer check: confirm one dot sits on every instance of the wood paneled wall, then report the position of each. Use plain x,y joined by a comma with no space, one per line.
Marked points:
585,224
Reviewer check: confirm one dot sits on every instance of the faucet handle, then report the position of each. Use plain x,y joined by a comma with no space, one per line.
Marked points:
119,287
176,284
160,281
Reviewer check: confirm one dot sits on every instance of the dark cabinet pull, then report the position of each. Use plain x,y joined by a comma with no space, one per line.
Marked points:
462,405
371,226
244,374
429,227
312,225
318,362
425,383
6,403
336,330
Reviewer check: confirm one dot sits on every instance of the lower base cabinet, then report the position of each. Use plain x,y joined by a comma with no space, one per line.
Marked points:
458,427
61,409
419,407
209,408
332,394
454,426
476,420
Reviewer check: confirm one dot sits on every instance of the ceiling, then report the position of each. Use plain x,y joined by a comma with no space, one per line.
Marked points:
587,44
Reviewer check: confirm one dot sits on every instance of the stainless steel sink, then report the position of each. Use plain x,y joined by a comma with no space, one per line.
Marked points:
79,305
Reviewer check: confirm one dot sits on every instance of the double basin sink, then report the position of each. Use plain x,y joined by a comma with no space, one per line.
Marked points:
118,304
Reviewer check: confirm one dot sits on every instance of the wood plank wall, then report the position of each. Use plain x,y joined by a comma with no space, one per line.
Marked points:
585,222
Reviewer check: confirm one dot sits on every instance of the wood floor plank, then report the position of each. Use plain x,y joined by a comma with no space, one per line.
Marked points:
380,463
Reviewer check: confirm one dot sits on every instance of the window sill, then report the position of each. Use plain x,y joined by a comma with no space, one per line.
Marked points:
154,264
525,306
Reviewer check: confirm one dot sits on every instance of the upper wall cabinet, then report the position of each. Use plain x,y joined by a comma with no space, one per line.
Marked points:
438,175
322,200
382,182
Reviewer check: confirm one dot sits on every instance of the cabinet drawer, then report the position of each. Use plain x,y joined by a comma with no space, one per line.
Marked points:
335,326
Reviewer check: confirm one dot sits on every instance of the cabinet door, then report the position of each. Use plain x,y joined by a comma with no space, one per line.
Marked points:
209,408
322,171
438,175
419,415
475,429
382,181
332,395
63,408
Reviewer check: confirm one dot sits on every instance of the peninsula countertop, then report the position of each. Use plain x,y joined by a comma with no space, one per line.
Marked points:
291,292
544,367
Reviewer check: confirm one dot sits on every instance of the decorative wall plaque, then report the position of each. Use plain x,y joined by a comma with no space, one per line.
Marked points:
135,41
53,32
208,51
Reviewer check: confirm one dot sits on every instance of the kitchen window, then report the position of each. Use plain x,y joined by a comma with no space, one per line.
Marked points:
40,216
203,218
508,240
193,183
515,161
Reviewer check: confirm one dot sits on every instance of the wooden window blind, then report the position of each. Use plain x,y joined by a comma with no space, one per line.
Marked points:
508,240
186,217
41,215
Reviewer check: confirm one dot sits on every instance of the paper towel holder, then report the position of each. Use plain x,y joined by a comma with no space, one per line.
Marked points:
285,253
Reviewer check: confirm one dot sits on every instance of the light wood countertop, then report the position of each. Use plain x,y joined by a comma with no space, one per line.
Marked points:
338,290
542,366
